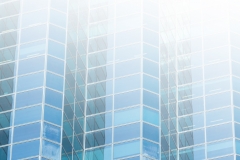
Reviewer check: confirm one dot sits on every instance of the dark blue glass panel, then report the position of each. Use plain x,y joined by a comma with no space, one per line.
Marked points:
52,115
6,103
55,82
4,153
50,150
53,98
5,119
31,65
27,115
126,132
4,137
29,98
26,132
24,150
150,132
52,132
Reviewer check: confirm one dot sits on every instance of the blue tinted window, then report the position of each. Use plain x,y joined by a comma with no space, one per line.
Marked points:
125,68
99,105
5,137
192,153
150,68
150,116
30,18
151,149
151,52
31,65
218,100
218,116
23,116
57,33
151,83
52,115
191,138
5,119
219,148
127,52
150,132
103,153
219,132
30,81
55,65
126,132
55,82
32,49
100,89
126,149
130,115
36,32
53,98
19,150
56,49
29,98
127,99
50,150
191,122
98,138
54,18
51,132
26,132
150,99
127,83
99,121
128,37
190,106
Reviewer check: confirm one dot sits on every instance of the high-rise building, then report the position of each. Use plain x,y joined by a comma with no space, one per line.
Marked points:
119,79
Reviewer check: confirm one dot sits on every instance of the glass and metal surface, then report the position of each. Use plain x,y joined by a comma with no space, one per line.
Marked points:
119,79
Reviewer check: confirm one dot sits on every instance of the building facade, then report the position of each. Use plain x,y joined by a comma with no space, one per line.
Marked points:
119,79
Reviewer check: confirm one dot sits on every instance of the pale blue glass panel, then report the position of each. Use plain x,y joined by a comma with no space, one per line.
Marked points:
51,150
26,132
150,132
19,150
31,65
151,7
131,115
60,5
151,84
235,54
191,122
190,61
99,121
236,99
128,22
100,58
219,148
235,69
30,5
8,39
56,49
219,132
53,115
127,83
215,40
235,84
35,79
190,106
218,116
190,91
5,119
126,99
151,37
8,9
53,98
150,52
151,68
7,86
32,49
99,105
58,18
217,70
127,67
127,52
127,132
55,82
150,116
100,89
151,149
128,37
23,116
197,153
128,7
101,28
217,85
216,55
6,103
52,132
151,22
55,65
29,98
100,73
126,149
190,76
101,43
218,100
57,33
36,32
236,114
191,138
34,18
237,146
151,99
103,153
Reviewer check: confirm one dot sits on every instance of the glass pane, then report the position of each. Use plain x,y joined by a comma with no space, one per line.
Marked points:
126,149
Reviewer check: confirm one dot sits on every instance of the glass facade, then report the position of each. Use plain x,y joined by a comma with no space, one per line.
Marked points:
119,79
